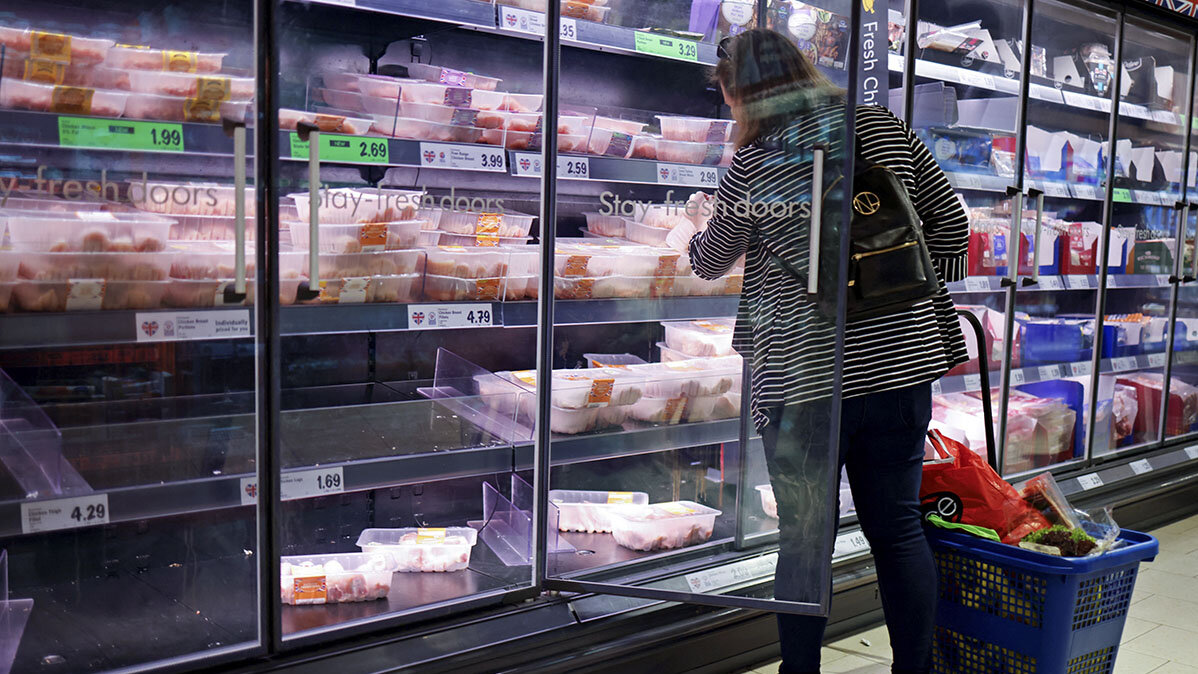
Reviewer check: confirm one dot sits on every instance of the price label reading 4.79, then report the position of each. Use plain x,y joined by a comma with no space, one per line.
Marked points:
444,316
309,483
64,513
120,134
347,149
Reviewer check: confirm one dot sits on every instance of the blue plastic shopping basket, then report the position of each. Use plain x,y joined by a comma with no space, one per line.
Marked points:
1006,610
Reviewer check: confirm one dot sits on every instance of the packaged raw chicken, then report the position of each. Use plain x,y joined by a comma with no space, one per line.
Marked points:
683,409
24,95
604,225
431,73
644,146
701,338
181,84
610,143
86,231
144,58
696,129
208,260
404,234
1125,408
350,101
110,266
590,511
769,503
573,422
207,228
518,102
289,119
689,378
588,259
518,140
662,216
349,205
509,224
644,234
628,126
429,112
612,287
6,288
9,263
338,578
592,387
693,286
58,47
460,289
439,549
21,66
682,152
294,264
183,109
419,129
663,526
88,295
577,9
203,293
468,263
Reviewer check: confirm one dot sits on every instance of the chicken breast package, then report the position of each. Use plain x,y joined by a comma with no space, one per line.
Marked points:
86,231
198,198
348,205
23,95
335,579
591,387
590,511
696,377
212,87
88,294
663,526
509,224
357,238
422,550
289,119
769,502
468,263
587,259
696,129
683,409
142,58
109,266
59,47
701,338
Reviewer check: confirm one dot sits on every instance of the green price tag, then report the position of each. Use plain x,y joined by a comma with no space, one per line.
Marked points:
668,47
350,149
1122,194
119,134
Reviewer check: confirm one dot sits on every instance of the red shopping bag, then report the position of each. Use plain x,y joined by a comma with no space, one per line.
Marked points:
959,486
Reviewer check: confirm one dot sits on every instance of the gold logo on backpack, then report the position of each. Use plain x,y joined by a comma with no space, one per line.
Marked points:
866,203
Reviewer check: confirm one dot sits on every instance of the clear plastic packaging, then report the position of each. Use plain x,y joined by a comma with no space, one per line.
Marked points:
641,233
592,387
458,289
609,287
110,266
440,94
517,288
207,228
590,511
695,129
769,503
628,126
419,129
58,46
352,101
663,526
701,339
86,294
294,264
482,240
6,288
22,95
694,153
643,147
604,225
523,140
182,109
289,119
184,85
463,262
516,102
683,409
9,263
610,143
404,234
523,260
617,360
135,58
347,205
509,224
689,378
86,231
337,578
440,75
693,286
437,550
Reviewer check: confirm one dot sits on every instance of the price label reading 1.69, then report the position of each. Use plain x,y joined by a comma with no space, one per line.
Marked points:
309,483
348,149
119,134
665,46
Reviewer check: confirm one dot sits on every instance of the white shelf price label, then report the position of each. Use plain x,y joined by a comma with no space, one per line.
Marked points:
179,326
973,382
446,316
1077,282
569,30
936,388
309,483
463,157
967,181
1080,369
850,543
1050,94
1134,110
977,284
1018,378
683,174
574,167
1124,364
521,20
1090,192
1164,116
1089,481
1140,467
1053,189
1048,372
1162,280
64,513
1051,283
1157,359
732,574
1192,452
973,79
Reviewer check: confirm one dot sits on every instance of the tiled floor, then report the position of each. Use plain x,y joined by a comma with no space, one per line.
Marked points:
1160,636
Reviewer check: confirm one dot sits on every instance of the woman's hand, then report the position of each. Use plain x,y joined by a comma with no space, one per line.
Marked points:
680,237
699,209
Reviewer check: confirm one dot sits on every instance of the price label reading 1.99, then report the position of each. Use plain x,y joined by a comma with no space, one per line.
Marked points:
120,134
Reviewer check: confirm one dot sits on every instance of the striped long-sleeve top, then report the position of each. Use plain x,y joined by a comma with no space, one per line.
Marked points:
788,342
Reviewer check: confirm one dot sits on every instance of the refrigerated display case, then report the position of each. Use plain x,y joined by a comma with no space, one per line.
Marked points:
323,367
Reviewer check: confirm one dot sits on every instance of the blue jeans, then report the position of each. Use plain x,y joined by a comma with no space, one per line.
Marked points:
881,446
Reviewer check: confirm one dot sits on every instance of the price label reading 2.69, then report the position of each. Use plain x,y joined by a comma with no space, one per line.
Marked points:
348,149
120,134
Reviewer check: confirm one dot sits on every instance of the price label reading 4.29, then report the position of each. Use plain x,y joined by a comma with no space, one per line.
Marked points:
120,134
309,483
347,149
64,513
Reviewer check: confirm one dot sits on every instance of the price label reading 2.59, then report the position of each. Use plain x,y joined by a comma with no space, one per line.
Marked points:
64,513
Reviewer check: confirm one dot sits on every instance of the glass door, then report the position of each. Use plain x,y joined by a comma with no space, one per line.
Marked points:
128,402
646,408
1149,157
1183,372
407,256
1052,386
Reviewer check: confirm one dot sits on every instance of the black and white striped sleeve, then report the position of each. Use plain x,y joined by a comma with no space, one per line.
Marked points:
716,249
945,222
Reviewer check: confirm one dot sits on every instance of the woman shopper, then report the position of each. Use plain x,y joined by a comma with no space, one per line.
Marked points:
781,102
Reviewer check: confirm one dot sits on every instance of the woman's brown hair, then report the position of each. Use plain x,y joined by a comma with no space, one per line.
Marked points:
769,80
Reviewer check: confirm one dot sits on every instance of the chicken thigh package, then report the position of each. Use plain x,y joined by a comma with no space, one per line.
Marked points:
663,526
425,549
337,578
700,338
590,511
